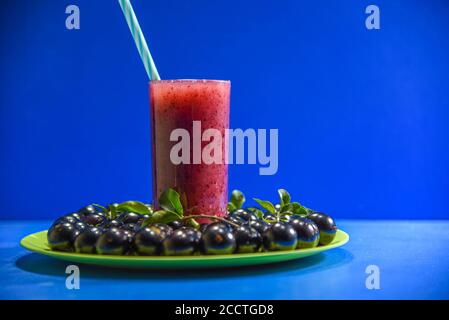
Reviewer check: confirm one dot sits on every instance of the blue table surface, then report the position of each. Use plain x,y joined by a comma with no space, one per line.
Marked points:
412,256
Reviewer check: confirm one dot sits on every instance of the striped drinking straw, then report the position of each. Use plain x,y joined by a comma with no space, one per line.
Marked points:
139,39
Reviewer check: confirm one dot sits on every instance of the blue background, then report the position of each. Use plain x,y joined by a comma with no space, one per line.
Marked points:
362,114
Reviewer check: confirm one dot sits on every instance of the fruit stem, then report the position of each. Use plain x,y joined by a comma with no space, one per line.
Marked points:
199,216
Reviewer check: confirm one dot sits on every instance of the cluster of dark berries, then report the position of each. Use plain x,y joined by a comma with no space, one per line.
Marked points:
90,230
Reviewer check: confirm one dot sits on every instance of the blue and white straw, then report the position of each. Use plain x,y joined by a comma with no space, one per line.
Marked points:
139,39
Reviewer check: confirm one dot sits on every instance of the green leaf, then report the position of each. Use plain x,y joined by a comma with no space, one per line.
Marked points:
113,210
150,207
161,216
269,221
171,201
133,206
267,205
192,223
231,207
285,197
237,199
309,211
296,208
292,206
286,213
258,212
103,209
288,207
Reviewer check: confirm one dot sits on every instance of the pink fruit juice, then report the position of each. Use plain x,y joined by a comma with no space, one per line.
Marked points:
176,104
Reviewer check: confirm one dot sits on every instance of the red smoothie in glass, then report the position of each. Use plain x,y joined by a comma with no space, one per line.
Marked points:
176,104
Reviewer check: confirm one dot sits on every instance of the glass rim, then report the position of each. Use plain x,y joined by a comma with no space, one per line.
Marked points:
190,81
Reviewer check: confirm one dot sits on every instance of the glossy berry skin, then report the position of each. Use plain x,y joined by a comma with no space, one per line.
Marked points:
327,226
80,225
286,216
132,227
270,217
148,242
90,209
234,220
220,224
203,227
130,217
66,219
243,215
111,224
113,242
176,224
60,236
161,228
86,240
259,225
279,237
129,234
181,242
217,240
76,215
247,240
94,219
307,232
196,234
296,216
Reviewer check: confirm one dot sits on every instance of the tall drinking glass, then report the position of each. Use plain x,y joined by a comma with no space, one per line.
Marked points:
193,106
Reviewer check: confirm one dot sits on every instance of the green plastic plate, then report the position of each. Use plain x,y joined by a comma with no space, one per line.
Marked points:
37,242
